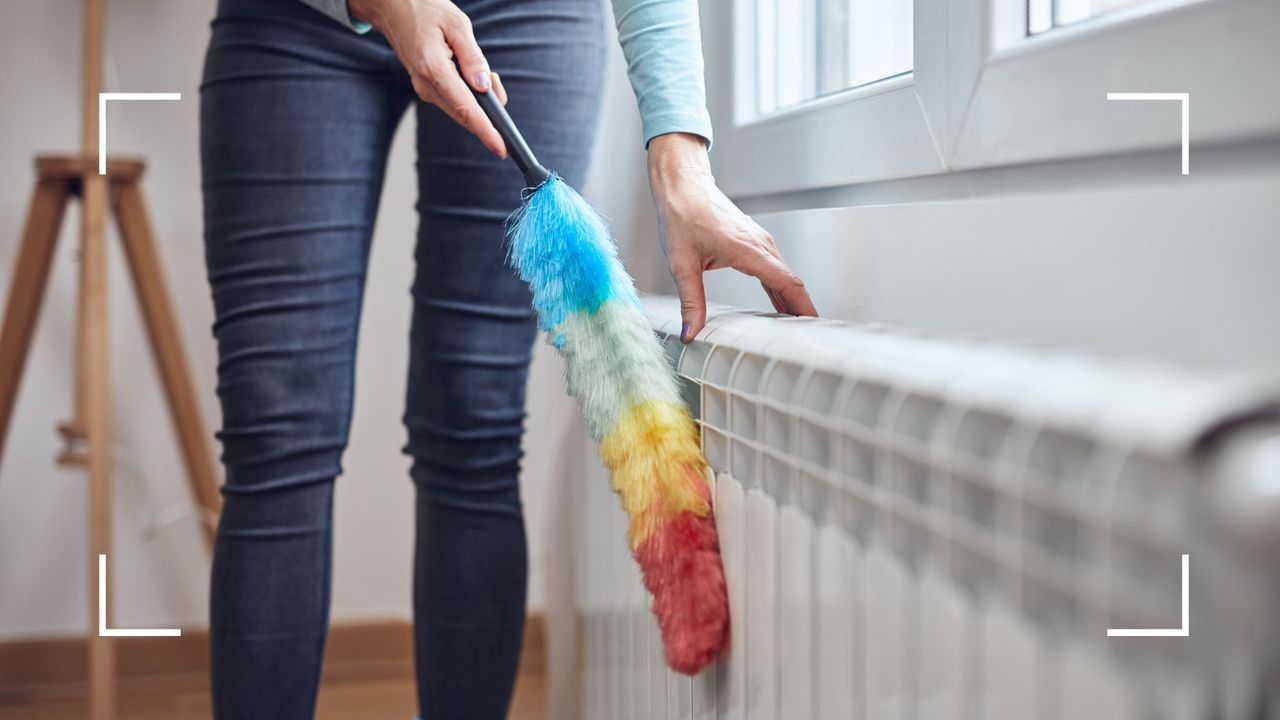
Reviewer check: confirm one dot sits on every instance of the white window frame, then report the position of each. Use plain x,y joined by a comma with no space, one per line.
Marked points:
982,94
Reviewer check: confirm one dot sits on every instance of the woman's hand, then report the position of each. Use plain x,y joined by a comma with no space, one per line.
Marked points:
427,36
704,230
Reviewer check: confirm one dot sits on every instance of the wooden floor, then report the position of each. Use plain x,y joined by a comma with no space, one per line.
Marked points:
378,698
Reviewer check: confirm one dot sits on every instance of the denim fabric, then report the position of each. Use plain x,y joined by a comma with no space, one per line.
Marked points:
297,115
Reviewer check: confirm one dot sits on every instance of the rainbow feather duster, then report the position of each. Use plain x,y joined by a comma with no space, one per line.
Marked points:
588,306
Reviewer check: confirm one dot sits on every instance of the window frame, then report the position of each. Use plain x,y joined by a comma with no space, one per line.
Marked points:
870,132
976,97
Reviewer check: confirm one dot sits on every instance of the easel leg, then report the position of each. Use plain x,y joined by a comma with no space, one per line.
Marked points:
166,345
26,291
95,361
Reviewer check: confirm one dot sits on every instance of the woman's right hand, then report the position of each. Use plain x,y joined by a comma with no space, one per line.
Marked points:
427,36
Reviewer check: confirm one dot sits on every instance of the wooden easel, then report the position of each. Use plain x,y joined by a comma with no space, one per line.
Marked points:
88,433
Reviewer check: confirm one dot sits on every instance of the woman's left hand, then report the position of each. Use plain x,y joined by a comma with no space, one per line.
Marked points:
704,230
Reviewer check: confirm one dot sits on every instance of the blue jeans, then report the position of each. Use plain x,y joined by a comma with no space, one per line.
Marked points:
297,115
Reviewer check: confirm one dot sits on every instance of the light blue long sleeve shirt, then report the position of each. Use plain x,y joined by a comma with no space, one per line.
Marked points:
663,47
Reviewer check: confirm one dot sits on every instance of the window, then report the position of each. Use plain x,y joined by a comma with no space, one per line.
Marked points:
1044,15
811,48
807,95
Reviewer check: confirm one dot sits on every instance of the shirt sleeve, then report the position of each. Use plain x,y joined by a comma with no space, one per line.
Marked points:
663,47
337,9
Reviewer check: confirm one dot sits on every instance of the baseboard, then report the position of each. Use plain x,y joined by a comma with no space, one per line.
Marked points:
57,667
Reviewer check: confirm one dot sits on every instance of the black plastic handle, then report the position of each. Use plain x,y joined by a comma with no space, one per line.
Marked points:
534,173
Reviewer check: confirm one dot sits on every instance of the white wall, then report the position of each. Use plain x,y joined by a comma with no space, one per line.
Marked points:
161,580
1181,269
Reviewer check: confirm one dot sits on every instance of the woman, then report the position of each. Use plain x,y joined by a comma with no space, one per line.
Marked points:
297,114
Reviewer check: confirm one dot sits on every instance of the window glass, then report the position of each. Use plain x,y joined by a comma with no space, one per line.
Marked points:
1044,15
809,48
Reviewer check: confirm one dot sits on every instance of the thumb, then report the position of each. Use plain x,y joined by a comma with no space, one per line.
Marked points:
693,302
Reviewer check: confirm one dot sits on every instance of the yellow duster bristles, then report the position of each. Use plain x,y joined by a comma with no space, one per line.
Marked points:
657,468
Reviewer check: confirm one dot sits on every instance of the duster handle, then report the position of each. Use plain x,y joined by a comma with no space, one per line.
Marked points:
534,173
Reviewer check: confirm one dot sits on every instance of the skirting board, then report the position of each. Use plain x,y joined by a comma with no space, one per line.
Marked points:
57,667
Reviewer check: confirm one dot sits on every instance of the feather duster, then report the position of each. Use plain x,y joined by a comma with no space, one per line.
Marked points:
589,308
615,368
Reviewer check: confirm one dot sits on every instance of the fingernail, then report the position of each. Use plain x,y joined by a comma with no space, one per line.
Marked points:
482,79
684,333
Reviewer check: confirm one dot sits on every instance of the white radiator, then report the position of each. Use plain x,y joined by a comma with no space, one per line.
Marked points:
917,527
